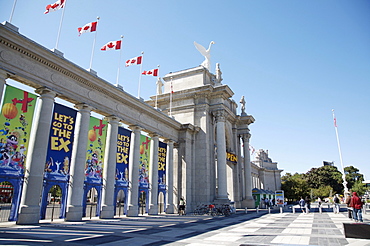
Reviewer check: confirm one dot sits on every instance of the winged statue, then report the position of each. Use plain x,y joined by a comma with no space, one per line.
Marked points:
206,53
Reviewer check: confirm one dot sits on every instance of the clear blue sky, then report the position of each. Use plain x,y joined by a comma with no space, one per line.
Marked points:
294,61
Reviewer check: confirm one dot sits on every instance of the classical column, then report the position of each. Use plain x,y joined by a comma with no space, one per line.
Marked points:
248,199
133,197
169,177
153,178
3,77
107,210
77,168
29,212
221,157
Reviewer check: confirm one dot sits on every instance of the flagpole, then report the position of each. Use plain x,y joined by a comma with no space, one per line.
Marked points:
11,14
156,94
60,25
171,99
340,156
141,70
92,52
119,62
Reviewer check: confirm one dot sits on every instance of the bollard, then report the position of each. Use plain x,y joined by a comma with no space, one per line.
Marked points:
281,210
320,210
246,210
293,210
269,210
257,210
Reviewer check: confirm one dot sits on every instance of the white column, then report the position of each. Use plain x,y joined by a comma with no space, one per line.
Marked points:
33,178
77,168
3,77
109,171
153,178
221,156
133,197
248,200
169,177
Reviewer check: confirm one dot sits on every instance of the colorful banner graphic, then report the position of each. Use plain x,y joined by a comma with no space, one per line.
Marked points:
162,154
122,160
232,158
95,150
60,143
15,126
144,161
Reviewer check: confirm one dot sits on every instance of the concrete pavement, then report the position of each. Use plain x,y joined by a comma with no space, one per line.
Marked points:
242,228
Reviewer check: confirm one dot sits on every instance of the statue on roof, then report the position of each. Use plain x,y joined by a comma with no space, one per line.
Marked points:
242,102
206,53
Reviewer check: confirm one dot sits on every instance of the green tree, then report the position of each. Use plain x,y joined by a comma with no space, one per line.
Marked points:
322,191
359,187
325,176
294,186
352,176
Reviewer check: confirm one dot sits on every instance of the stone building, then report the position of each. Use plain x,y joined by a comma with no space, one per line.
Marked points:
207,142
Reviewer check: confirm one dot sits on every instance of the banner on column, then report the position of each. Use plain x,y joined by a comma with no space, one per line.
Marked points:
95,150
123,155
162,155
144,161
60,143
15,126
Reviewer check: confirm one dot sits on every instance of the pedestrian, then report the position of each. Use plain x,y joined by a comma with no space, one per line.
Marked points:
319,201
302,203
356,205
307,204
182,206
349,209
336,204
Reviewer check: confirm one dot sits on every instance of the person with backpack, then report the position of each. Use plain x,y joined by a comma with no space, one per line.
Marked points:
336,204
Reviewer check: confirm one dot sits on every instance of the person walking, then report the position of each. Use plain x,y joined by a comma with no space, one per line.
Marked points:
349,209
336,204
302,204
356,205
307,204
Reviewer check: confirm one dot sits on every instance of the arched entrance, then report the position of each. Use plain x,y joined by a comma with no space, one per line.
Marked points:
161,203
6,195
120,203
91,204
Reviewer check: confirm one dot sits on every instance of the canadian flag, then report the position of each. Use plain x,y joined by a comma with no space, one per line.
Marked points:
112,45
153,72
134,61
55,6
90,27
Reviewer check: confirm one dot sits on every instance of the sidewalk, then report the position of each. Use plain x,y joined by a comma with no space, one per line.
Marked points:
242,228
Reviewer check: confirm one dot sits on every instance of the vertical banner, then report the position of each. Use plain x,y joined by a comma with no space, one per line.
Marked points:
144,161
122,160
15,126
60,143
95,150
162,155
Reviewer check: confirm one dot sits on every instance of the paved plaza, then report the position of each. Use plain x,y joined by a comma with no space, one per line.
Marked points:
242,228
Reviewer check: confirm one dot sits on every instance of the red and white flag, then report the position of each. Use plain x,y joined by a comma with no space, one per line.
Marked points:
153,72
112,45
134,61
55,6
90,27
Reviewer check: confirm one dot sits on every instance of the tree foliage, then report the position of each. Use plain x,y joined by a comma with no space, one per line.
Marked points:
294,186
352,176
325,176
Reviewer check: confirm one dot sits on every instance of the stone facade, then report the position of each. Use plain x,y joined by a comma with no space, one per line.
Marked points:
195,115
265,173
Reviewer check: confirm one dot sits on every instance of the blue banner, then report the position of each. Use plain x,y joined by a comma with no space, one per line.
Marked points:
60,143
162,155
122,160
